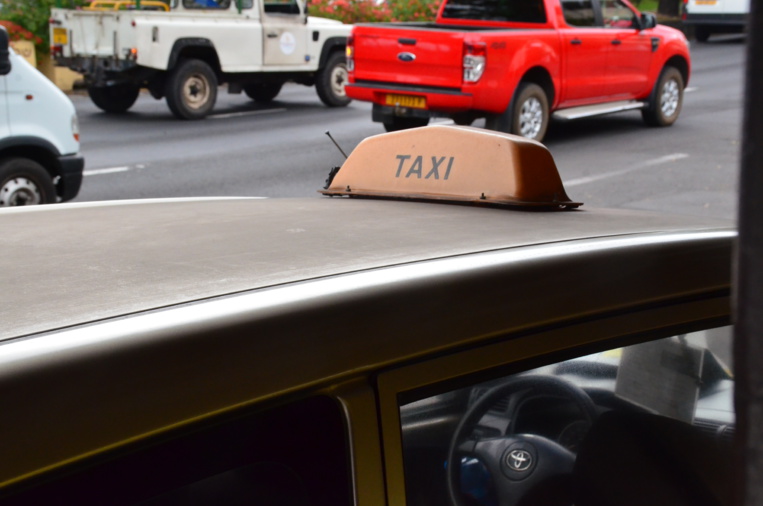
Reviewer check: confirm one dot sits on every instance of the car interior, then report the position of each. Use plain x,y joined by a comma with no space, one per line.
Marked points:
646,424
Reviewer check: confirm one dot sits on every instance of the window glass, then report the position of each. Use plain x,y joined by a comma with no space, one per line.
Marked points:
291,455
656,418
206,4
525,11
617,15
578,12
281,7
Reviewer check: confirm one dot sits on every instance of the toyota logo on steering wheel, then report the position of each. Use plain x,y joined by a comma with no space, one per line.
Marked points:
519,460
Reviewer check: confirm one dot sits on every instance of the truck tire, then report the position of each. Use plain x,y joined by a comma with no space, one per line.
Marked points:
114,99
263,92
664,104
527,115
396,124
191,89
330,81
24,182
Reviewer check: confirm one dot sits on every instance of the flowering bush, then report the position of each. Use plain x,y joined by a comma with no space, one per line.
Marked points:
30,19
15,32
364,11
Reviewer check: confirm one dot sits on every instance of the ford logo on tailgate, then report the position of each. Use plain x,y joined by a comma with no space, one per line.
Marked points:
406,56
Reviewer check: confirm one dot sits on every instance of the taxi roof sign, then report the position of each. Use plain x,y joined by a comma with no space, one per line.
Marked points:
452,163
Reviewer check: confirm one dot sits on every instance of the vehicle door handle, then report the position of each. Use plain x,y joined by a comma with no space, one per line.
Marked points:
272,35
576,42
616,42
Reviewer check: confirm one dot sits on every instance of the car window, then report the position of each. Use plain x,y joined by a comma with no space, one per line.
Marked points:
617,15
216,4
206,4
281,7
291,455
586,431
578,12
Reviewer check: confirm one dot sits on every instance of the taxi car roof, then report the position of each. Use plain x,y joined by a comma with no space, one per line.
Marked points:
124,321
99,261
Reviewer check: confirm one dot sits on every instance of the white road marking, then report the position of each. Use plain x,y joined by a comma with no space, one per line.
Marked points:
244,113
644,165
109,170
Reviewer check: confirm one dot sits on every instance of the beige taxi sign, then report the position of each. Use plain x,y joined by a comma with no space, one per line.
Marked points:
462,164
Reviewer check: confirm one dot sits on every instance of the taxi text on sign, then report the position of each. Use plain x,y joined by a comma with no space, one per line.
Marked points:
452,163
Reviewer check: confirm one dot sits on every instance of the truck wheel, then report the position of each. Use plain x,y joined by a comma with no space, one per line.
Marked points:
530,116
527,114
263,92
396,124
24,182
330,81
191,89
665,101
114,99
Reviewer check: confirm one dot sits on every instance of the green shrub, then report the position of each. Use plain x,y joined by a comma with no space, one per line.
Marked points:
32,15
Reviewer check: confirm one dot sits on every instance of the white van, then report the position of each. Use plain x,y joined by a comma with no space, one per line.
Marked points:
39,136
715,16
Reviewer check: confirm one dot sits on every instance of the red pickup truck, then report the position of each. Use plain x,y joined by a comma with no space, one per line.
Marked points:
517,62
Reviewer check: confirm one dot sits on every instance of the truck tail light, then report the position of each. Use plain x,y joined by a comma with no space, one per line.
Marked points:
475,54
350,53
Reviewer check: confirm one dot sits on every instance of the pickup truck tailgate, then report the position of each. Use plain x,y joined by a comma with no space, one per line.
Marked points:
423,57
93,33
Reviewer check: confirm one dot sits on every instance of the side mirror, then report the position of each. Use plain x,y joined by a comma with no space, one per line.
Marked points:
5,61
648,21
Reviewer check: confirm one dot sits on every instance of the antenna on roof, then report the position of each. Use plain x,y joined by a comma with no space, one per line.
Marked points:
335,144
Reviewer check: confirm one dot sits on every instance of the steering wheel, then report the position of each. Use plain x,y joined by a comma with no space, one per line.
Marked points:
517,463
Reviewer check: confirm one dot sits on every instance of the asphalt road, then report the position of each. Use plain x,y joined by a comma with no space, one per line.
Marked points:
281,150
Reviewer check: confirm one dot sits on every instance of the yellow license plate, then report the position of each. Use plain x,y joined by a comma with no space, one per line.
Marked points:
407,101
706,2
60,36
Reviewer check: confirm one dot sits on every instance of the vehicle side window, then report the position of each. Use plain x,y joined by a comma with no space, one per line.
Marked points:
578,12
281,7
617,15
291,455
211,4
656,417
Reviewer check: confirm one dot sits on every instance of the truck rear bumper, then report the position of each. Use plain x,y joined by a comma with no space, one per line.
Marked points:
429,99
730,20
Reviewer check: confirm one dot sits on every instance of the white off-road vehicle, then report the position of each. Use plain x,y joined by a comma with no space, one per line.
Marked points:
184,49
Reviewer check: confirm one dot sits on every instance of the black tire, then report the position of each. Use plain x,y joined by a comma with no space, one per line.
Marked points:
24,182
191,89
664,104
263,92
330,81
701,33
396,124
114,99
527,115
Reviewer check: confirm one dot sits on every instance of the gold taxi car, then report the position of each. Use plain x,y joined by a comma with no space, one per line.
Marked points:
445,327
